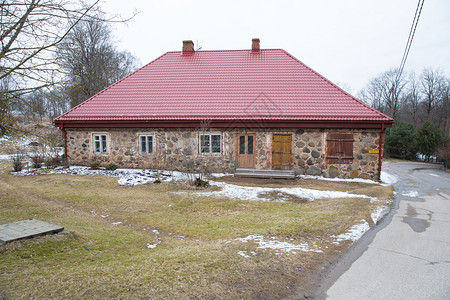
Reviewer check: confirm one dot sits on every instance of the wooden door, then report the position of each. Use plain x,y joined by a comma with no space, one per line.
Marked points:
246,150
281,151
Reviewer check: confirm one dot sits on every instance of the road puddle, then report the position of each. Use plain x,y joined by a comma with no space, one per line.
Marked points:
416,224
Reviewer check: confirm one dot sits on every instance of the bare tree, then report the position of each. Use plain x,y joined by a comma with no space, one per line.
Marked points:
30,30
410,109
56,101
444,107
5,107
90,59
433,83
385,92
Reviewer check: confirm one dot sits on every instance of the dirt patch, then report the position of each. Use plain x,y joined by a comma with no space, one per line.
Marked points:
280,196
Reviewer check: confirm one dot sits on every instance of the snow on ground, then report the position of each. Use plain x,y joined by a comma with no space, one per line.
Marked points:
379,213
411,194
129,177
274,244
152,246
388,179
233,191
244,254
354,233
4,138
339,179
21,142
132,177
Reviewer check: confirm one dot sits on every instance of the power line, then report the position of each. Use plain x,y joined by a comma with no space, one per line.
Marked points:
412,31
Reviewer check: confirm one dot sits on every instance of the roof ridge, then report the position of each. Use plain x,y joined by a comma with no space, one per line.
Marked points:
232,50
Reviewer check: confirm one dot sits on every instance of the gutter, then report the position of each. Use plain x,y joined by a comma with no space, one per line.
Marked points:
379,150
65,143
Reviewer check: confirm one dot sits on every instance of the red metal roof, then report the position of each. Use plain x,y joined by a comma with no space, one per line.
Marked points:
267,85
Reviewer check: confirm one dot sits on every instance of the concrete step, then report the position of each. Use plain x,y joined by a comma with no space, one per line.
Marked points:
242,172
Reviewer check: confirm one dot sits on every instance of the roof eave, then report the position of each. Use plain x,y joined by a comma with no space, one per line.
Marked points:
369,124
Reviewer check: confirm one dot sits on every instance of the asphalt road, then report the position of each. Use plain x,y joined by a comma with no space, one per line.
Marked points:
408,257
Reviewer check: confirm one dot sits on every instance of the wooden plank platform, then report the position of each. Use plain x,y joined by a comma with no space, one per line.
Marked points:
26,229
286,174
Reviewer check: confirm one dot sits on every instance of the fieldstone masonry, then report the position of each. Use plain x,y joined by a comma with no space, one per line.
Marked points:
178,149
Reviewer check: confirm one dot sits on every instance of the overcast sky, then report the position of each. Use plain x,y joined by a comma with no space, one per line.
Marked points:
348,42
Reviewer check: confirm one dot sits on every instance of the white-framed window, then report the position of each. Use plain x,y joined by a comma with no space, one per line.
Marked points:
100,143
146,143
210,143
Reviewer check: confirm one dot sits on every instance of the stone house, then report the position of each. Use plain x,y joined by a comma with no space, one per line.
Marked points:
223,110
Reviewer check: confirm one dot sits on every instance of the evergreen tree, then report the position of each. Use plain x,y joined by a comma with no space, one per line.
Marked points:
399,141
429,138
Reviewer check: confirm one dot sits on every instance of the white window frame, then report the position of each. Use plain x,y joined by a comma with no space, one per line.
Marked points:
146,136
209,146
103,143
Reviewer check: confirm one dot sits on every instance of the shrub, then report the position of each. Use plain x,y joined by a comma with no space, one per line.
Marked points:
443,153
53,161
111,167
95,165
37,160
17,162
198,182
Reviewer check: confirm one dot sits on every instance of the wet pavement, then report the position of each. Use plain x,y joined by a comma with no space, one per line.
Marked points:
407,257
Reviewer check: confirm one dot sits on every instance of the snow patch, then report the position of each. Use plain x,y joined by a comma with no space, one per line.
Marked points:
355,232
379,213
435,175
244,254
411,194
339,179
278,245
388,179
116,223
127,177
152,246
258,193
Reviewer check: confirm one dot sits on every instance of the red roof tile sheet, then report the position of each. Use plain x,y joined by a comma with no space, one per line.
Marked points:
224,85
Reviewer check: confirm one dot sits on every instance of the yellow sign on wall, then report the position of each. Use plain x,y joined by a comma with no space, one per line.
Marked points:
374,151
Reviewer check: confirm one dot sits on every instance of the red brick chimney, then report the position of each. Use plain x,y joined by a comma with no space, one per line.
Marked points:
188,47
255,45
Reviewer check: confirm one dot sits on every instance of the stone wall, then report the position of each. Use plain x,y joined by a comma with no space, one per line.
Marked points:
173,149
178,149
310,154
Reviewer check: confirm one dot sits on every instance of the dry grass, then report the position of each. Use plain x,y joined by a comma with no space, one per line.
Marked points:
196,256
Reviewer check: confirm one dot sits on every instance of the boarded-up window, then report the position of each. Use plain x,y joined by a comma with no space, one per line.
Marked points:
339,148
